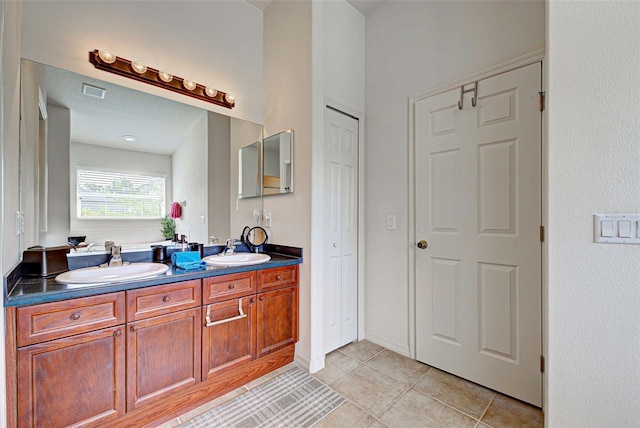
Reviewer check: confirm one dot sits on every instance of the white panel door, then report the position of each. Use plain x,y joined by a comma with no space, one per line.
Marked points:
341,230
478,206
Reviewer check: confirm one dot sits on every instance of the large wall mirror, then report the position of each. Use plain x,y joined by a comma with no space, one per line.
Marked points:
106,162
278,163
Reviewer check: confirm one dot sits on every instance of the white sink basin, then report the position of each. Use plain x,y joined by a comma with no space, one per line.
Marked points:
238,259
102,275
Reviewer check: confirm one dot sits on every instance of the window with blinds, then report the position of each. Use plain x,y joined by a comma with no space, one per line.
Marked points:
115,195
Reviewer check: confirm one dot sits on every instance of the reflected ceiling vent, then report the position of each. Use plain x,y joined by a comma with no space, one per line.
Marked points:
93,91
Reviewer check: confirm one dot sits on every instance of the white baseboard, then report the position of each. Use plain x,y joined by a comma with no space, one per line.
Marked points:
378,340
312,366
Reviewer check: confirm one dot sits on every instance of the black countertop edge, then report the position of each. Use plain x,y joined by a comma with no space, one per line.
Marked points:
33,290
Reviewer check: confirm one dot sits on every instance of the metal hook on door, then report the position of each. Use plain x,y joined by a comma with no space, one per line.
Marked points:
474,98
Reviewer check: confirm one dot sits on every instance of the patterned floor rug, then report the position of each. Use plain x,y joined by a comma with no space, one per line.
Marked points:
291,400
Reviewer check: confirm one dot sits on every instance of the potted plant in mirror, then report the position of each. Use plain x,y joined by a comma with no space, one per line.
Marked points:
168,227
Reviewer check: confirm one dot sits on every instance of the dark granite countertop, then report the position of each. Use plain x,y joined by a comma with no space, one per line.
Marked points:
34,290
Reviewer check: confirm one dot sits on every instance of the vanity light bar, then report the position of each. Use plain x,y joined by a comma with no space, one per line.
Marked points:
125,67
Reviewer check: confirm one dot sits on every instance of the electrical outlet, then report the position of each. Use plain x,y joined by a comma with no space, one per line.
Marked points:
267,218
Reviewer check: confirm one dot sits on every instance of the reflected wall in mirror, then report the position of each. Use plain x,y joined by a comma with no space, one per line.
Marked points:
249,171
80,173
278,163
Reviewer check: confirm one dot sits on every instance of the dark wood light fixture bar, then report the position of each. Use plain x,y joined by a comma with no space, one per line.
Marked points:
123,67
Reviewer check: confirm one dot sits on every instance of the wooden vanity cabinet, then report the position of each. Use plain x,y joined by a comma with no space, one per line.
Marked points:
143,356
277,309
163,351
78,379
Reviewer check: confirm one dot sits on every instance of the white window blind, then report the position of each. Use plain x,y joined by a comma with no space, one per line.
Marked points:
116,195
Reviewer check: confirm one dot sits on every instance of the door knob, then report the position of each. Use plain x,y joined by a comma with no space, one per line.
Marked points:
423,244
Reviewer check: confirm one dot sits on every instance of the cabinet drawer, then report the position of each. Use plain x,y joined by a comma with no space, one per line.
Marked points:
162,299
225,287
54,320
271,279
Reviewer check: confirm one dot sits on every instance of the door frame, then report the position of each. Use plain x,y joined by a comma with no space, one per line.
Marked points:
518,62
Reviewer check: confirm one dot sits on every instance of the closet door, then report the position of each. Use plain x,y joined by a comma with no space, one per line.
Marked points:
341,230
478,216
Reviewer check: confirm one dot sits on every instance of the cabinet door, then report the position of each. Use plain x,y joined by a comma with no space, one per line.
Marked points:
229,335
277,319
77,380
163,356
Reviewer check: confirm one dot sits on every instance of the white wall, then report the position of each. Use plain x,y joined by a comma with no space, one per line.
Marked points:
594,167
306,63
189,167
10,73
107,158
287,95
212,42
412,47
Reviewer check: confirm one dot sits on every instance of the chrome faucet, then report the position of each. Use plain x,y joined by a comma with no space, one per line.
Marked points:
230,246
115,259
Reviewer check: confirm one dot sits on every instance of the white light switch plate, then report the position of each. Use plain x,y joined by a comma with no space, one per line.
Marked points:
391,222
616,228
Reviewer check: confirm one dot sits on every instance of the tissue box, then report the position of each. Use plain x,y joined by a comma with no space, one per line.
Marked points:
41,261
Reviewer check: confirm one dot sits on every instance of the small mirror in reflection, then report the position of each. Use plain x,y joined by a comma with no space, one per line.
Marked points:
278,163
249,171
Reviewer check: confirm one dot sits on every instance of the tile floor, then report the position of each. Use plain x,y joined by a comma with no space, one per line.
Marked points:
386,390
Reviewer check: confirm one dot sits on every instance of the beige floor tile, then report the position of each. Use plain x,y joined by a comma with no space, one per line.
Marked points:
508,412
362,350
211,404
398,367
368,388
377,424
336,364
465,396
417,410
347,415
481,425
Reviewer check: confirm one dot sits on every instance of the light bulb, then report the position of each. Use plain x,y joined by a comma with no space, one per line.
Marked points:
107,55
129,138
189,84
212,92
230,97
138,67
165,77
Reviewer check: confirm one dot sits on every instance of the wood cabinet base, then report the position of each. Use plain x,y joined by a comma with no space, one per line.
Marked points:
188,399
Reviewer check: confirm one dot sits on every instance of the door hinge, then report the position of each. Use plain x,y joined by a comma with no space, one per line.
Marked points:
541,364
541,100
541,233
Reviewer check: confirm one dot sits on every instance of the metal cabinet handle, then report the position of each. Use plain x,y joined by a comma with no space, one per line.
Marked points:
133,329
261,298
237,317
75,316
117,333
232,286
423,244
166,299
278,278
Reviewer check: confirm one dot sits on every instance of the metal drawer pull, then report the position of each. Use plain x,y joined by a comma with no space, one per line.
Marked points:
237,317
75,316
